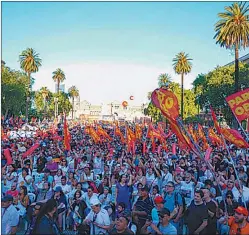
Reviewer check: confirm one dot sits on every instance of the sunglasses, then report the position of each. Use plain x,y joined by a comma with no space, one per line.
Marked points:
229,197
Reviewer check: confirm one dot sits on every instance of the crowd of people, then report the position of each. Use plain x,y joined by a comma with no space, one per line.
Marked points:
104,188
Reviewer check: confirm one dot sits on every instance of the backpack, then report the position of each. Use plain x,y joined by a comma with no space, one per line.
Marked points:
183,201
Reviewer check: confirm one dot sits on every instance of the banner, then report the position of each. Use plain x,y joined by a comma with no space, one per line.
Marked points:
167,102
7,155
138,132
208,153
239,104
31,150
215,139
234,137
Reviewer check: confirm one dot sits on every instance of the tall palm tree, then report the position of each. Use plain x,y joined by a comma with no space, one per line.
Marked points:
164,79
232,31
73,93
58,76
182,65
30,63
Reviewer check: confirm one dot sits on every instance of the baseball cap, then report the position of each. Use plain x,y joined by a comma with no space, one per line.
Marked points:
159,200
164,211
170,183
7,198
94,202
58,189
241,210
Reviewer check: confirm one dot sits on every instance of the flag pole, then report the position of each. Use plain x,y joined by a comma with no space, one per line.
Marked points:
231,160
247,138
203,157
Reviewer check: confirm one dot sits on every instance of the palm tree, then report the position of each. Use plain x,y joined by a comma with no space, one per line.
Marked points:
58,76
232,31
73,93
164,80
182,65
44,91
30,63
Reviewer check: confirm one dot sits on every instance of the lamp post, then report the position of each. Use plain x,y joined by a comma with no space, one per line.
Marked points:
55,107
44,95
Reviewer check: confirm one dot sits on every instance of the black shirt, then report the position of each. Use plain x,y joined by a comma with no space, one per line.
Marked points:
196,214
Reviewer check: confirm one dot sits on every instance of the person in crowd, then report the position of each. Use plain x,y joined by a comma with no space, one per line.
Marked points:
45,222
87,196
166,176
123,191
197,214
121,227
61,201
142,209
43,193
57,178
32,219
22,201
105,200
77,209
163,227
212,208
10,217
65,187
98,218
13,191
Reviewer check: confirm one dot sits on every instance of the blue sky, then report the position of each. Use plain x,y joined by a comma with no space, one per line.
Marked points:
111,50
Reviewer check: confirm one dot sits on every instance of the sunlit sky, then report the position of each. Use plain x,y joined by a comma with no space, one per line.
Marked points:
111,50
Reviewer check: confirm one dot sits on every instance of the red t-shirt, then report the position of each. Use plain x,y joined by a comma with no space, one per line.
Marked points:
12,193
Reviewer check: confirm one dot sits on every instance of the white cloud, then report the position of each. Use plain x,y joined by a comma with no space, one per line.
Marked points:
108,81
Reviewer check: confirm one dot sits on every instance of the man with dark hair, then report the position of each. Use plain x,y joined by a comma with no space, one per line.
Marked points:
33,218
121,227
197,214
142,208
212,208
164,226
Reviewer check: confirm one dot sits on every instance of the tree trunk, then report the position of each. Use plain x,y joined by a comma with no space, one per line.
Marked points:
236,88
58,87
73,106
182,96
6,113
27,100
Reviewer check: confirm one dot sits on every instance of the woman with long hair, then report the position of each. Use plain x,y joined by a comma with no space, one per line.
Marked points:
22,201
45,223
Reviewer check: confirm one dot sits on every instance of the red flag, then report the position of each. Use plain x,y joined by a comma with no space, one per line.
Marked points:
133,148
31,150
144,147
208,153
174,149
239,104
234,137
167,102
216,124
66,135
7,155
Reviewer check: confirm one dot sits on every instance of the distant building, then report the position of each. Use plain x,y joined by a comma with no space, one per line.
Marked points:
107,111
61,88
244,59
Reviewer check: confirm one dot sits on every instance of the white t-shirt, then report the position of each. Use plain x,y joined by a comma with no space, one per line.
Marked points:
102,218
187,191
9,182
10,218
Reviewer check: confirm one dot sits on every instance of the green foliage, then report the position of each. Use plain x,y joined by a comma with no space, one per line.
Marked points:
164,79
30,61
58,77
182,64
219,83
233,27
14,86
153,112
